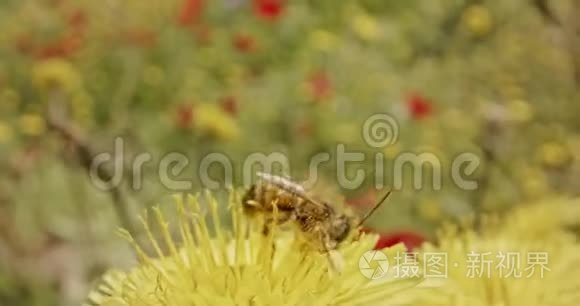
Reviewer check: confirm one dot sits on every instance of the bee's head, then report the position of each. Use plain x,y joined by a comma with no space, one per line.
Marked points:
340,228
250,194
248,200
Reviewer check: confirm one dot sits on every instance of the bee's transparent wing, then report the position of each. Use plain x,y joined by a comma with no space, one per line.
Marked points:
288,185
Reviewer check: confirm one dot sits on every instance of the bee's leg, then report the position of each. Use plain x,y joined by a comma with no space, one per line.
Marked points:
334,257
251,207
283,218
267,226
251,203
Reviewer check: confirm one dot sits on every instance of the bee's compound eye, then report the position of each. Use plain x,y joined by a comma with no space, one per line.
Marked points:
250,193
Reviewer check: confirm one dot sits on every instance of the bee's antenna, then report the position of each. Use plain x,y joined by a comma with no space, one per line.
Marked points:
372,211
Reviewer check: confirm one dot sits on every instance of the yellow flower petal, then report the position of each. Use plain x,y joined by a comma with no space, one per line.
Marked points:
216,266
523,235
520,110
56,74
32,124
323,40
212,120
477,20
430,210
366,27
554,154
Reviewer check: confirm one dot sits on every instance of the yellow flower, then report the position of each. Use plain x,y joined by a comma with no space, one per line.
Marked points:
429,210
520,111
323,40
554,154
490,265
56,74
242,266
545,219
532,181
346,132
211,120
32,124
477,20
366,27
6,133
392,151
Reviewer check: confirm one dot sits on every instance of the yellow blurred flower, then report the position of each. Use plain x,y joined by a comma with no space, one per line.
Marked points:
520,111
547,219
429,210
323,40
391,151
242,266
212,120
534,183
56,74
554,154
526,258
366,27
32,124
346,132
477,20
6,133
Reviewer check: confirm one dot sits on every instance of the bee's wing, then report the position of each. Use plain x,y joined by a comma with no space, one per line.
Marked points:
332,194
281,182
288,185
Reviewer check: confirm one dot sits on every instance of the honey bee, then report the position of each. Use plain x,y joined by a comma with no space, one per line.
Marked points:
322,224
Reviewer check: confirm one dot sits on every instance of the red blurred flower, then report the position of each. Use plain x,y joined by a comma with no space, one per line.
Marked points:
25,44
63,47
184,116
419,107
190,12
244,43
305,129
77,20
269,9
230,105
320,85
410,239
203,33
